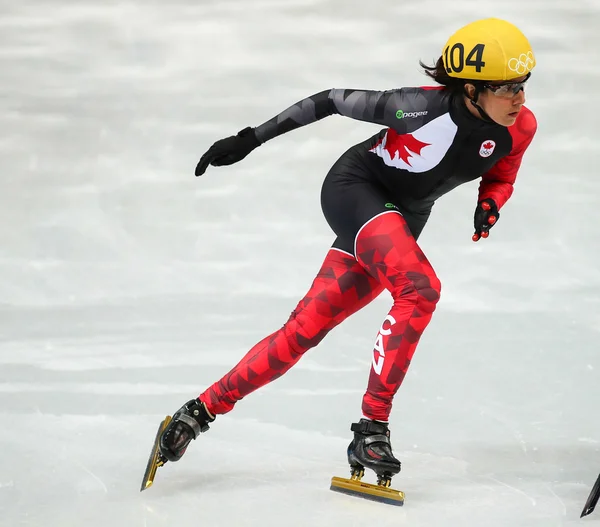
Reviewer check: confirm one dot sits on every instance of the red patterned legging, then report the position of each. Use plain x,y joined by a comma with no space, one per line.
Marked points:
387,257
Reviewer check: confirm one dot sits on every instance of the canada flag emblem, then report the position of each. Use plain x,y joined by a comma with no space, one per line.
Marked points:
487,148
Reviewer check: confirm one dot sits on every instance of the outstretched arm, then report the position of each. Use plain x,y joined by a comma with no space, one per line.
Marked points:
364,105
371,106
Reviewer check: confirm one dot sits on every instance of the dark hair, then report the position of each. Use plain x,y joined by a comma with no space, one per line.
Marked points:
439,74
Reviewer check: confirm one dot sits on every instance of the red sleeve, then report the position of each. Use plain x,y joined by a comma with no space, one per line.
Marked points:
497,183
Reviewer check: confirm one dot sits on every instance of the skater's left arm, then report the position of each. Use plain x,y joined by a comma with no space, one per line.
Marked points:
497,183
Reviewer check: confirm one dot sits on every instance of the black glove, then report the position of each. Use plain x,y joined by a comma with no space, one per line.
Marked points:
486,216
229,150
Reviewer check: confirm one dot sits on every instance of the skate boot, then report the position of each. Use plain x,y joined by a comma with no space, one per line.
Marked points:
187,424
371,448
174,435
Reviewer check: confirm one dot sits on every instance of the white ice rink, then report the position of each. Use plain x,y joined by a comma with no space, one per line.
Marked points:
127,285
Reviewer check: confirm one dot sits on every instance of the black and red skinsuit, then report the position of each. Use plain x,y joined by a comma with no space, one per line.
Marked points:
377,198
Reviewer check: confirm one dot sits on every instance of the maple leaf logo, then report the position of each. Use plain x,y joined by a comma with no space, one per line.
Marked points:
403,146
487,148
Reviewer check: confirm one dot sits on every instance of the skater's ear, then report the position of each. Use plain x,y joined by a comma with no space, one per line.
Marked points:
470,90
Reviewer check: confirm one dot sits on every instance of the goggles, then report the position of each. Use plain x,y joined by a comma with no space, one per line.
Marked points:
507,90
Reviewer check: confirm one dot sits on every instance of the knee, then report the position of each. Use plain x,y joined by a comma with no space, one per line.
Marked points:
429,289
425,289
305,329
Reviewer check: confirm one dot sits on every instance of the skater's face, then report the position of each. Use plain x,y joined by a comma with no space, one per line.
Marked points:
501,101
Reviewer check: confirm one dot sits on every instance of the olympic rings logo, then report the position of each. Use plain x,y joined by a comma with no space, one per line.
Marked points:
523,64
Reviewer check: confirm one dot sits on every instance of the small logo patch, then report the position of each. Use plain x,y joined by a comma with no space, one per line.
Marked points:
487,148
373,454
522,64
400,114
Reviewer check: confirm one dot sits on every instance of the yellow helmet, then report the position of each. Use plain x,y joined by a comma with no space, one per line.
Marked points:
489,50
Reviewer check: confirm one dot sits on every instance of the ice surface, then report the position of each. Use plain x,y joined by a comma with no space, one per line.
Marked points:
128,285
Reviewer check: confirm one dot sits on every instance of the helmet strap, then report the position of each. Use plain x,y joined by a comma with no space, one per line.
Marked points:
473,100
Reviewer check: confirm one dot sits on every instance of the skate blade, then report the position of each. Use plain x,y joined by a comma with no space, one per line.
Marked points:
366,490
154,461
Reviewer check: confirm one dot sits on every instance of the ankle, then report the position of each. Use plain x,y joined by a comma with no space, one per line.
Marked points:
369,427
210,414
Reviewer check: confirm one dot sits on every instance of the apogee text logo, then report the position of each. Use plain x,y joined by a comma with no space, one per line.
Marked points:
400,114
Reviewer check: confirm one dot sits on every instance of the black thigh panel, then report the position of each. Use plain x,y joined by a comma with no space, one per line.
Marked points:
350,197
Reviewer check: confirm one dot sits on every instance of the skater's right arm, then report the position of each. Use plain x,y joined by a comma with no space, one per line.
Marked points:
378,107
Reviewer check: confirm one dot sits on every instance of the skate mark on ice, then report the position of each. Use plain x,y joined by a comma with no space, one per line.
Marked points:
96,478
564,506
518,491
508,425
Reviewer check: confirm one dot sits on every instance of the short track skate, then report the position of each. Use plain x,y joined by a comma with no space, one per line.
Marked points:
175,434
371,448
156,459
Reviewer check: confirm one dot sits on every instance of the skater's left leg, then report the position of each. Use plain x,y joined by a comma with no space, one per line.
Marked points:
385,245
384,238
387,249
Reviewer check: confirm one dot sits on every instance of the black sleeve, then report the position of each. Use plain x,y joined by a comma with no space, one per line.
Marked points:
377,107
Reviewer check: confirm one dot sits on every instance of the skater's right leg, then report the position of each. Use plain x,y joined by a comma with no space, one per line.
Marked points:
341,288
187,424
